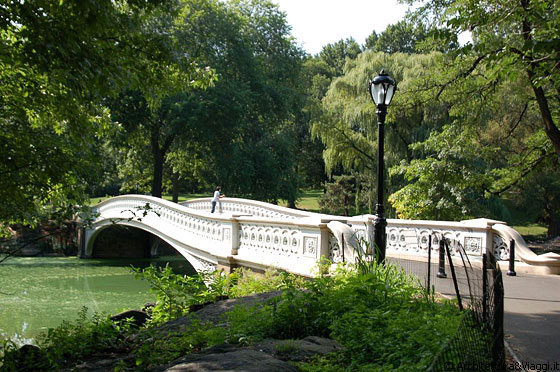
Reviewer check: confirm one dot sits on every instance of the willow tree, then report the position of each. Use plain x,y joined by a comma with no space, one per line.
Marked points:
348,126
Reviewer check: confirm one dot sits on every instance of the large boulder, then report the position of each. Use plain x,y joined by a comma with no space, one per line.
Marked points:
245,360
139,318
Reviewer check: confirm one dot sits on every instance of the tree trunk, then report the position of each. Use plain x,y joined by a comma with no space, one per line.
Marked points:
550,127
552,217
158,155
553,228
158,174
158,152
175,187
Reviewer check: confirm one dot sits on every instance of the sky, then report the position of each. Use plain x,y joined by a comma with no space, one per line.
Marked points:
316,23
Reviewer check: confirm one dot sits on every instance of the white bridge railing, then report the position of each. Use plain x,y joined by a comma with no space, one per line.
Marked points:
259,235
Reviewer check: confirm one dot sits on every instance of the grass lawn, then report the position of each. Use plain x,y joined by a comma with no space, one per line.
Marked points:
309,200
531,231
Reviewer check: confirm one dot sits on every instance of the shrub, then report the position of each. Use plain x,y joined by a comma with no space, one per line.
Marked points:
71,342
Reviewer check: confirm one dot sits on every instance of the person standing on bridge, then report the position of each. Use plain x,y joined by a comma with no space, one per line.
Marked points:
216,198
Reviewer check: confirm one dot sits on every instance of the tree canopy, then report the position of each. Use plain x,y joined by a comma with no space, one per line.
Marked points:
58,61
149,96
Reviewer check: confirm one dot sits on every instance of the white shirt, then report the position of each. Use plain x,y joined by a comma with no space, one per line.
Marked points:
216,196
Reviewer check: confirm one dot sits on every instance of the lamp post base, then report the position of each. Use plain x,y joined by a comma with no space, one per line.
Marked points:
380,237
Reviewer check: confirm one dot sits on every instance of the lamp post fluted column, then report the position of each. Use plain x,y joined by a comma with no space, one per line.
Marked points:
381,89
380,223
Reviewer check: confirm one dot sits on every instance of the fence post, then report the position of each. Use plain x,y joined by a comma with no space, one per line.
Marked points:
511,269
498,350
441,269
343,260
455,284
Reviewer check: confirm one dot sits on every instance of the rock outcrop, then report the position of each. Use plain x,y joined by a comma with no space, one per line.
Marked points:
268,355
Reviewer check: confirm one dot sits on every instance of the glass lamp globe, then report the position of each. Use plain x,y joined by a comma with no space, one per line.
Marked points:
382,88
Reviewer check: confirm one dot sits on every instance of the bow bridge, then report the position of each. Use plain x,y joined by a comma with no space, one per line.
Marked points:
259,235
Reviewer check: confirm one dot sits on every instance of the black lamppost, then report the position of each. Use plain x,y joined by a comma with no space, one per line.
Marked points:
381,89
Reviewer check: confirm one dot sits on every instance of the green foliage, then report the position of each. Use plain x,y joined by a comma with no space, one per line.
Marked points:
243,282
335,55
155,348
240,132
58,61
339,196
175,294
500,90
382,317
446,184
72,341
408,37
379,314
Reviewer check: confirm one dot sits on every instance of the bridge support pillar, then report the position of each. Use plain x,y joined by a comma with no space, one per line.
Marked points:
228,265
81,241
324,242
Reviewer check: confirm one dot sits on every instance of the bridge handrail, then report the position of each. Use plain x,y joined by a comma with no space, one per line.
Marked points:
156,201
294,244
253,207
257,229
522,251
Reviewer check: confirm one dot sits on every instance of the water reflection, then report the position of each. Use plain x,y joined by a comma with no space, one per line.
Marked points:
38,293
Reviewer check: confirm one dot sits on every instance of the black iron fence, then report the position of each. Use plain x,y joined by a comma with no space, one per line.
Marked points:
478,344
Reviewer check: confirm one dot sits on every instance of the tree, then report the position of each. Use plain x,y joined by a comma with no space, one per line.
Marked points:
348,126
335,55
152,132
408,36
58,60
318,73
448,182
497,88
252,108
240,128
510,39
339,197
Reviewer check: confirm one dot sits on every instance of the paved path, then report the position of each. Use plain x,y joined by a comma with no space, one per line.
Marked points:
531,312
532,318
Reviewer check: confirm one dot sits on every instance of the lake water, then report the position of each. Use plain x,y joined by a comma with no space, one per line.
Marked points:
37,293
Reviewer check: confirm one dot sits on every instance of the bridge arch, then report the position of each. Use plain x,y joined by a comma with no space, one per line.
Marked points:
200,263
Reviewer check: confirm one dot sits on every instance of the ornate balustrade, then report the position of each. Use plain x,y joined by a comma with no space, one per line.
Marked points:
259,235
412,236
289,240
247,207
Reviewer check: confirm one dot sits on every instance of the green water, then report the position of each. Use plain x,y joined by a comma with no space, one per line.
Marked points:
37,293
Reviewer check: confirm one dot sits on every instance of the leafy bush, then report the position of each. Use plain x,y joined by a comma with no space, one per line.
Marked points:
155,348
380,316
70,342
244,282
175,294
